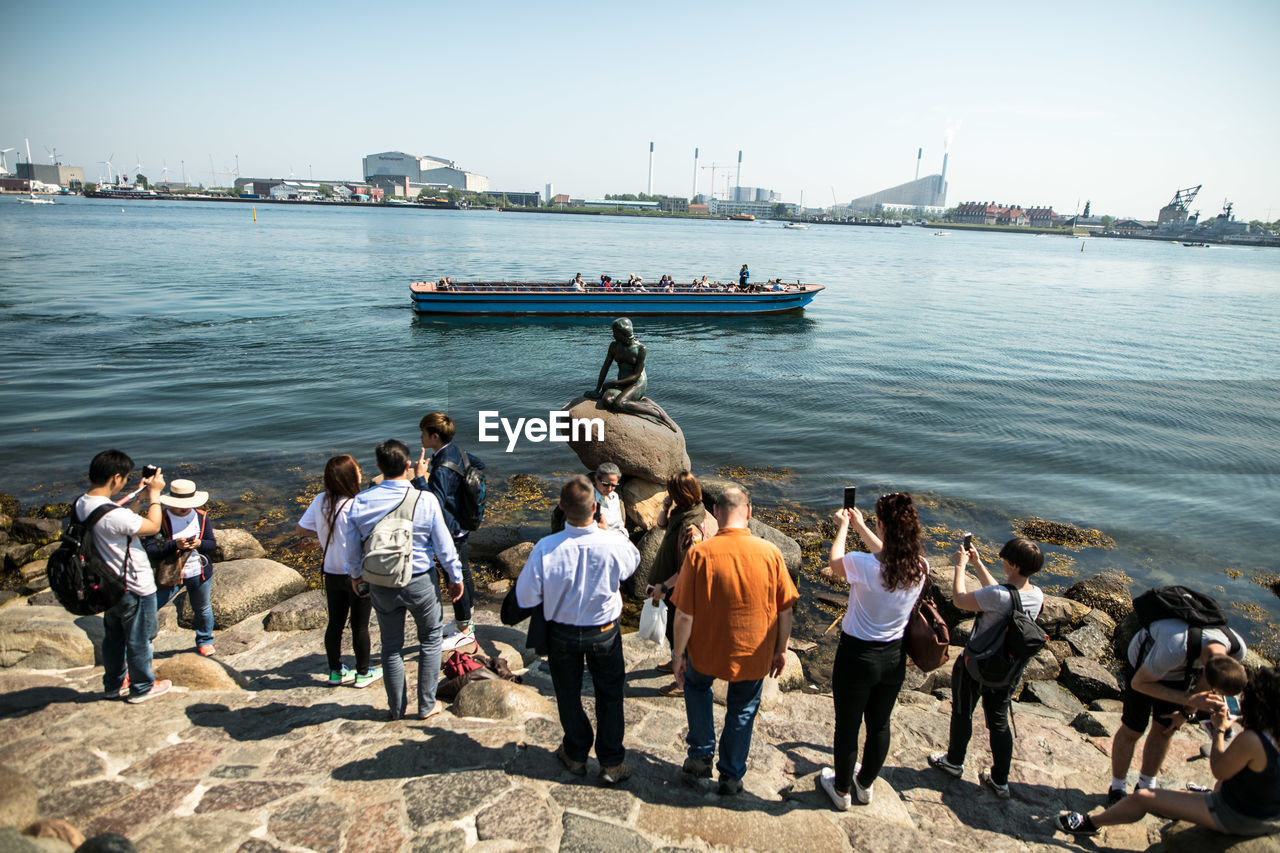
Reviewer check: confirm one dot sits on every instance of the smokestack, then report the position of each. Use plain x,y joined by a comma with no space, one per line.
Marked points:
919,154
737,182
942,183
650,168
693,198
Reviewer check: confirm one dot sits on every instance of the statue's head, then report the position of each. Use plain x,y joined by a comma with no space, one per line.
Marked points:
623,331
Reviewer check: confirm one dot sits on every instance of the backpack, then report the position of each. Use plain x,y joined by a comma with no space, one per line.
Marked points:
387,552
78,575
470,502
928,640
1198,610
1001,664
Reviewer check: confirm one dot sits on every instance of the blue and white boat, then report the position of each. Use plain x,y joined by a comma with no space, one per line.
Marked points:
511,297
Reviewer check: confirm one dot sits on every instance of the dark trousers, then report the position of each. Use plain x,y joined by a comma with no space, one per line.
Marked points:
569,647
462,607
865,681
343,603
965,693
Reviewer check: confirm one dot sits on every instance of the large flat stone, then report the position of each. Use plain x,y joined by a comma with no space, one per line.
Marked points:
180,761
304,612
48,638
588,835
236,544
1089,680
245,796
310,822
793,832
205,833
17,798
449,796
520,815
137,813
616,805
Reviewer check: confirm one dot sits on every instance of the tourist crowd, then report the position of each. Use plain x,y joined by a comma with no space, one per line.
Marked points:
390,549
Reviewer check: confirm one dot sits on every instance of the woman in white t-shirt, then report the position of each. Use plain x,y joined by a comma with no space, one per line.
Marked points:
325,519
187,537
871,661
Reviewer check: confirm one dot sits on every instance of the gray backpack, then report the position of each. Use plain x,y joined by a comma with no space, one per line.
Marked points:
387,559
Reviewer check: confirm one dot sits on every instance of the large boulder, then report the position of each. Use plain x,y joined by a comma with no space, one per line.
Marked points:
197,672
511,560
1088,680
36,529
1043,667
1107,591
1052,695
301,613
17,798
792,675
242,588
769,693
1183,837
236,544
15,554
1060,616
48,638
643,501
789,547
638,446
649,545
495,699
490,541
1089,641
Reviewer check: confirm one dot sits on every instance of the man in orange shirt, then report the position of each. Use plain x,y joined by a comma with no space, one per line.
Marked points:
733,619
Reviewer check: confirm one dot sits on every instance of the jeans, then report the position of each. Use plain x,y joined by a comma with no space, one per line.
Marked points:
569,647
198,591
128,629
421,601
865,681
343,601
740,716
965,692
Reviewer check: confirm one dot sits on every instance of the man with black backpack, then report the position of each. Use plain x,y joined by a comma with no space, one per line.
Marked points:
454,477
994,657
130,625
1184,633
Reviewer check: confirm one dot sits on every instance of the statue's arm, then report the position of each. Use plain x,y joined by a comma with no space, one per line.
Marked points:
604,371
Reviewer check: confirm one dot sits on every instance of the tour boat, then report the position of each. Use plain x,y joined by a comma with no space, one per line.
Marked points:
518,297
743,217
34,199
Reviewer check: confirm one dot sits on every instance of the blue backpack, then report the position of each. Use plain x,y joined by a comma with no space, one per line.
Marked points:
470,509
1001,663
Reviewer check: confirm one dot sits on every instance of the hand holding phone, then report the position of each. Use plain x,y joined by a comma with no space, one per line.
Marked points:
850,497
968,540
1233,706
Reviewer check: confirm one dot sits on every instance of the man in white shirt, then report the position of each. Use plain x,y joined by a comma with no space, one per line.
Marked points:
575,575
129,626
606,479
419,598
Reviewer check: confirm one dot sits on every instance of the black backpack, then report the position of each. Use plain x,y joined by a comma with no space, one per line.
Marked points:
1198,610
1001,664
80,579
470,509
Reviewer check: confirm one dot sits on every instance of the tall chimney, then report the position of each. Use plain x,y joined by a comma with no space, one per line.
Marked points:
919,154
942,183
650,168
693,198
737,182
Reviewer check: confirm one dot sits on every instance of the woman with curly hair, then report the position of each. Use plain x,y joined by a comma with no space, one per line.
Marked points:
871,660
1247,799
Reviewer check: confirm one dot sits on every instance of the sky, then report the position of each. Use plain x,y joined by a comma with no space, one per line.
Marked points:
1119,104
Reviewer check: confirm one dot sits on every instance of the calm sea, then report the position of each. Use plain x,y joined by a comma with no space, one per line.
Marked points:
1128,386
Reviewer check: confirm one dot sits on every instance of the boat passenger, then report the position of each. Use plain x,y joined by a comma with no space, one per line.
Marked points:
443,284
670,287
577,283
703,283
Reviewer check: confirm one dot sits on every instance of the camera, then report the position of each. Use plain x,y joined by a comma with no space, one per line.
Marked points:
149,471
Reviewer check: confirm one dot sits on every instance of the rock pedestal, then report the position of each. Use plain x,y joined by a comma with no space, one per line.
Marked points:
637,445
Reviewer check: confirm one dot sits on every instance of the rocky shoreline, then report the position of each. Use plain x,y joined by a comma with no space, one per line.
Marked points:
253,752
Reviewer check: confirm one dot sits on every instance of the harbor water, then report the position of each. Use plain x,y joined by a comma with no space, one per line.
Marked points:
1128,386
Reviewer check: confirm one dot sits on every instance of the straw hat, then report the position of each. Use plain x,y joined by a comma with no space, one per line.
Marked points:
182,493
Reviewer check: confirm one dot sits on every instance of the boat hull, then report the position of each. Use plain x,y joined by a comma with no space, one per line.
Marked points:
554,301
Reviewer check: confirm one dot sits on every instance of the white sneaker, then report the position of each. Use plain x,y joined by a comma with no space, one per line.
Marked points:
864,794
939,760
827,779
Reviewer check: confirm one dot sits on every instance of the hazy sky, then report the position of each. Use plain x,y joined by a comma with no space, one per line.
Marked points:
1047,103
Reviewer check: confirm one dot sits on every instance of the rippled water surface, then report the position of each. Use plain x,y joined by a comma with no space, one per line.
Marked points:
1131,386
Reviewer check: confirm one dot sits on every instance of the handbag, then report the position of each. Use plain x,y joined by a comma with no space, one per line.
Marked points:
169,572
928,640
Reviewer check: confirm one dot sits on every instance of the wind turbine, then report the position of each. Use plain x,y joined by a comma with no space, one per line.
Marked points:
164,171
107,163
4,165
53,156
137,169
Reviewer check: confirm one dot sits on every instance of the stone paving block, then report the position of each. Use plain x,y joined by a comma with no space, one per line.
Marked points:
245,796
588,835
75,804
205,833
377,827
449,796
451,840
745,829
520,815
309,822
71,764
135,814
180,761
615,805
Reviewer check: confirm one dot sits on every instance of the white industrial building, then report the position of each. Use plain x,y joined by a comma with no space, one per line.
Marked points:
422,170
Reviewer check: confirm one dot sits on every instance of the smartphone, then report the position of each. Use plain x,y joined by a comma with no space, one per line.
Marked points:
362,589
1233,706
968,541
850,497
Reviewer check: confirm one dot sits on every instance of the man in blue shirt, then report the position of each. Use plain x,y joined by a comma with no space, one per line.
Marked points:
420,597
574,575
438,475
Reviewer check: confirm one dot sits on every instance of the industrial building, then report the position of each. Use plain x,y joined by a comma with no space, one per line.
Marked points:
928,193
408,174
71,177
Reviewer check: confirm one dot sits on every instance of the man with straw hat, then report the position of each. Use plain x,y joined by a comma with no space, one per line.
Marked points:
181,554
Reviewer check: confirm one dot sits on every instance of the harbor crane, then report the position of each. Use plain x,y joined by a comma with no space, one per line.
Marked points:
1176,210
715,167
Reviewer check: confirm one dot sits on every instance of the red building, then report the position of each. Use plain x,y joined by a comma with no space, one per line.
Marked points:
990,213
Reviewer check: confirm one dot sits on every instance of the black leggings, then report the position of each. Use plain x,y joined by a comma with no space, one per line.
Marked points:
865,681
342,601
965,693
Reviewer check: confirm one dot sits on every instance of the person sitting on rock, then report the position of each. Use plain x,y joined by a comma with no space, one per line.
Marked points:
186,538
871,660
626,393
606,480
1246,801
326,519
993,603
1159,689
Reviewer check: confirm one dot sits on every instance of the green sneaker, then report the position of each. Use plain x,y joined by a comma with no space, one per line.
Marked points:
374,674
346,676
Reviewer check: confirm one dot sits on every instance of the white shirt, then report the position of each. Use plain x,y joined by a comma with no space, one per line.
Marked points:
611,510
875,614
575,575
316,518
111,534
186,527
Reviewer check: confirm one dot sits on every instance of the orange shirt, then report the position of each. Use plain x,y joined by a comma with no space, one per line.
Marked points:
734,585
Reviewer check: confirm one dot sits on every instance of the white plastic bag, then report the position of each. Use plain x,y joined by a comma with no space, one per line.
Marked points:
653,622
